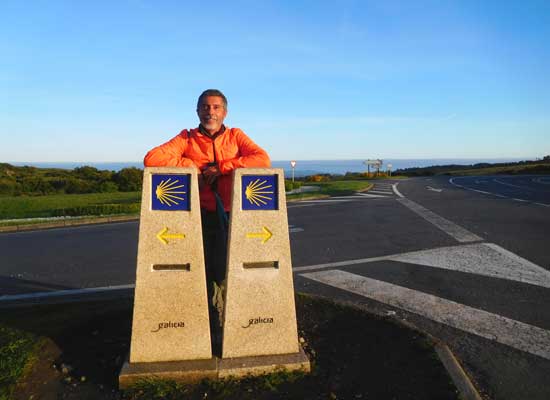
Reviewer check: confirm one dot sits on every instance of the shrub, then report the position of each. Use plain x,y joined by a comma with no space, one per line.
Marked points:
288,185
108,187
319,178
98,209
129,179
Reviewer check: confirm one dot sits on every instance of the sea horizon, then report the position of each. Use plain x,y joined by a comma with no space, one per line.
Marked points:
303,167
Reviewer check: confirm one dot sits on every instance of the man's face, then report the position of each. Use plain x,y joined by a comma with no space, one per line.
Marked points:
211,112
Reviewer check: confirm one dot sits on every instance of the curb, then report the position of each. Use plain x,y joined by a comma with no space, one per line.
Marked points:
457,373
68,222
461,380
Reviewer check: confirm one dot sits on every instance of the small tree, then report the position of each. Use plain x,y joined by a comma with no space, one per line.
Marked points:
129,179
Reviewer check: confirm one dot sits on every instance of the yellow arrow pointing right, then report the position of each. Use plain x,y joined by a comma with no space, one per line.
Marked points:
265,235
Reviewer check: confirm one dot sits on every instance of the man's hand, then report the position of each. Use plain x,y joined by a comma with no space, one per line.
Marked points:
210,174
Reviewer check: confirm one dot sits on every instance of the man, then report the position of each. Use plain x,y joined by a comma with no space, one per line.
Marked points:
215,151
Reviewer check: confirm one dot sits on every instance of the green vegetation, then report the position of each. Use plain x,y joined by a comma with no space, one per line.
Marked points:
332,188
514,168
69,205
17,181
510,170
339,188
289,185
18,350
29,192
276,383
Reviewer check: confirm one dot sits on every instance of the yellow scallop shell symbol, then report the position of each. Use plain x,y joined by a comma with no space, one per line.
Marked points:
258,192
167,192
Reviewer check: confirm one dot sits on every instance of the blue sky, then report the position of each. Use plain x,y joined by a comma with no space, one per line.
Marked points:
106,81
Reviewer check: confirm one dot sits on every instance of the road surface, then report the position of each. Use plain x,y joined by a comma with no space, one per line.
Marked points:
466,261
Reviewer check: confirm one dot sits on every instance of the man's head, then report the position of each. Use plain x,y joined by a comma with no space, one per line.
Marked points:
212,109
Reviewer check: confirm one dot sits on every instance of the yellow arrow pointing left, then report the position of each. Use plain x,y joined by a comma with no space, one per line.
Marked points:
163,235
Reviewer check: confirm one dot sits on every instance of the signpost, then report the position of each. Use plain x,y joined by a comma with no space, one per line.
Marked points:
389,169
293,164
375,163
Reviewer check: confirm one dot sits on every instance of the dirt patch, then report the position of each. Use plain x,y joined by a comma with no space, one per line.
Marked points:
355,355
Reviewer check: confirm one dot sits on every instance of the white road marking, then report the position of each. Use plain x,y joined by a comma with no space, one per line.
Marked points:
434,189
482,259
541,180
451,181
491,326
486,259
294,229
367,195
450,228
357,196
381,192
335,200
327,201
341,263
63,293
509,184
394,187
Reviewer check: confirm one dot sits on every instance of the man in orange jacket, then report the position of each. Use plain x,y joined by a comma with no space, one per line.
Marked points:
215,150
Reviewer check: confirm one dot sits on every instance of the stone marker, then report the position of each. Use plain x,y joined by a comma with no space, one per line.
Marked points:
171,332
260,314
170,308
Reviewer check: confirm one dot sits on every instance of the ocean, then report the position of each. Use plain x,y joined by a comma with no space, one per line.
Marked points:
303,167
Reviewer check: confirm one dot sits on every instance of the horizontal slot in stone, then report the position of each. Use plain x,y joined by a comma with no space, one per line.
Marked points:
172,267
261,264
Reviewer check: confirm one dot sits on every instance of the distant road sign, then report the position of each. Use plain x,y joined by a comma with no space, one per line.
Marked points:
373,162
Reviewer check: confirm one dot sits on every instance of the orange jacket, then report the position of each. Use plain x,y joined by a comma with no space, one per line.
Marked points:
190,148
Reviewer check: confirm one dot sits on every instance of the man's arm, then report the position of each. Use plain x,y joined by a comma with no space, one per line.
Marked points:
169,154
251,155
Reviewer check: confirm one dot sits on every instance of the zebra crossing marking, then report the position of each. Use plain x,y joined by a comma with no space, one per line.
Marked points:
519,335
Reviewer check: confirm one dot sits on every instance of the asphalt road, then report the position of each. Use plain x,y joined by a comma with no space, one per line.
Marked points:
463,260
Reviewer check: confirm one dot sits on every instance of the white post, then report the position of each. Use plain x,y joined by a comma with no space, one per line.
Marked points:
293,164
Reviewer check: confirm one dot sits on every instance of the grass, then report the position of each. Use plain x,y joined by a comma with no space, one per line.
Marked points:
14,209
339,188
63,204
332,188
512,170
18,349
274,383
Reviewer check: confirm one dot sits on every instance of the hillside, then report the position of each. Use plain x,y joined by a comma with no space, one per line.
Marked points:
511,168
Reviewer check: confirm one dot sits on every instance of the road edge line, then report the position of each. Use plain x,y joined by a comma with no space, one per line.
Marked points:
397,192
61,296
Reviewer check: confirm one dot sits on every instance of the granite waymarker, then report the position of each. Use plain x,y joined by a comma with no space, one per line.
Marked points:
170,310
260,315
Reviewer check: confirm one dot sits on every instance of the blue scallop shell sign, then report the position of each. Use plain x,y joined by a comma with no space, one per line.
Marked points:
170,192
260,192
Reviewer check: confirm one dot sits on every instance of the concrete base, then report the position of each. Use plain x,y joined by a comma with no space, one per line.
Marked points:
180,371
215,368
258,365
